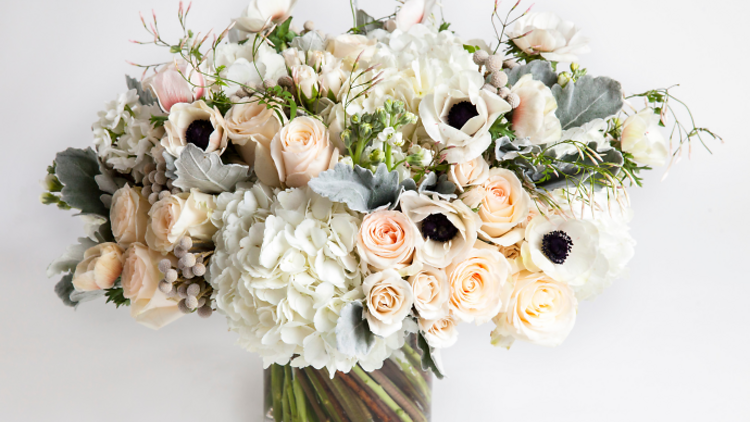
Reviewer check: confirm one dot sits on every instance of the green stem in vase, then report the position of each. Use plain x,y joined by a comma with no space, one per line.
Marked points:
398,396
286,412
299,395
414,376
311,396
379,411
332,409
356,410
393,371
277,385
382,394
289,391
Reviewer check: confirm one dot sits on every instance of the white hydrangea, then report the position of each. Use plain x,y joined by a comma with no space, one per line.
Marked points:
285,266
241,67
124,135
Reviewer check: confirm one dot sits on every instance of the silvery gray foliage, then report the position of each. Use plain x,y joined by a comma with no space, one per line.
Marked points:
505,149
77,170
171,169
205,171
366,22
64,288
144,96
311,41
540,70
72,257
108,182
442,187
429,358
80,297
587,99
359,188
612,161
353,335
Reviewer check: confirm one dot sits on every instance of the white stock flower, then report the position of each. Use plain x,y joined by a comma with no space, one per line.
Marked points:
554,39
459,115
535,117
642,137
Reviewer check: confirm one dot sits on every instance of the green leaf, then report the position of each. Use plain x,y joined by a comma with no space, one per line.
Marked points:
359,188
470,48
353,335
588,99
76,169
444,26
205,171
116,295
540,70
428,362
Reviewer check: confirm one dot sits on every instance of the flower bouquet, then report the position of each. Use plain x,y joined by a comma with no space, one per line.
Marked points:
346,201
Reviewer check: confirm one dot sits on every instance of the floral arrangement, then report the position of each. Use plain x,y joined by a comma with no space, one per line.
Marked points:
330,195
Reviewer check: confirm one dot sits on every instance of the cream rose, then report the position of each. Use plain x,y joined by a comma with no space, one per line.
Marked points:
535,117
387,240
140,282
440,333
431,293
100,268
197,124
642,137
349,47
129,216
503,204
300,151
471,173
449,229
306,81
177,216
251,127
537,309
477,282
389,301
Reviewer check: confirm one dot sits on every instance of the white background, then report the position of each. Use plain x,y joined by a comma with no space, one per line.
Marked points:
670,343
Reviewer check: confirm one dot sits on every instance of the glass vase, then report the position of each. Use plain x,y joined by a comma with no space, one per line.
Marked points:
398,392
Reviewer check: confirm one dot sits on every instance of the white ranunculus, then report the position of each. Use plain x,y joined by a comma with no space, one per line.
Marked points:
100,268
535,117
129,216
177,216
389,300
458,116
440,333
551,37
431,293
477,281
642,137
195,123
449,229
260,14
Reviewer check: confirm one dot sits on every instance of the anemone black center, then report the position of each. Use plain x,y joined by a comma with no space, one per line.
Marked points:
199,133
557,246
439,228
461,113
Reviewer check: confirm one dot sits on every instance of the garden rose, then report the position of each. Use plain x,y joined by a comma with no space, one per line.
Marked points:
196,124
387,240
642,137
140,282
349,47
177,216
251,127
129,215
470,173
300,151
100,268
537,309
389,301
431,293
535,117
306,81
440,333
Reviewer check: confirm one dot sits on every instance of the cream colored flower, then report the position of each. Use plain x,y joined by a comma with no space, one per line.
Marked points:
260,14
471,173
642,137
306,81
300,151
459,114
387,240
129,216
140,282
251,126
349,47
503,204
196,124
431,293
537,309
177,216
551,37
535,118
477,281
100,268
389,301
440,333
449,229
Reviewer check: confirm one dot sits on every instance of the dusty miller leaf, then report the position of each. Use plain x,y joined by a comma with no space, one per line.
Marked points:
171,169
540,70
77,170
353,335
366,22
428,362
68,261
441,187
144,96
311,41
205,171
64,288
588,99
359,188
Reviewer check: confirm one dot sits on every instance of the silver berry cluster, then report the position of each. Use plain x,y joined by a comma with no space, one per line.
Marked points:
156,184
498,79
186,282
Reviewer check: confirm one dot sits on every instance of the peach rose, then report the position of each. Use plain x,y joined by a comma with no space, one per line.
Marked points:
100,268
503,204
251,127
140,283
470,173
537,309
431,293
177,216
129,216
389,301
301,151
477,282
440,333
387,239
